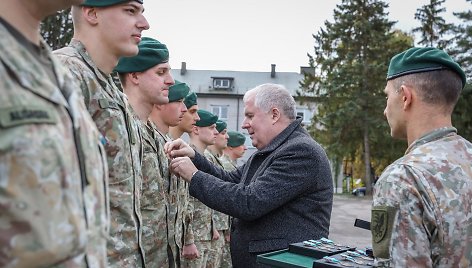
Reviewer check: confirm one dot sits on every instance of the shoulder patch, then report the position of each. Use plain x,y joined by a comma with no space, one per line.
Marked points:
13,116
381,226
379,223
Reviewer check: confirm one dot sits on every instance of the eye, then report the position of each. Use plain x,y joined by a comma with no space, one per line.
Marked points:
131,11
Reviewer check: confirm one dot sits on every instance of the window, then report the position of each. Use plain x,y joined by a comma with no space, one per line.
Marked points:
222,83
305,114
221,111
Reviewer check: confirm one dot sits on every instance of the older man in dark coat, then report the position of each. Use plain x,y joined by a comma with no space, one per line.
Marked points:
282,195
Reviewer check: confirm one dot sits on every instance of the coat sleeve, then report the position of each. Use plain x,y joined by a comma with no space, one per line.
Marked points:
206,166
292,172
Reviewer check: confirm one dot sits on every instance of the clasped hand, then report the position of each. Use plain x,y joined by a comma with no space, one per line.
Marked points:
180,153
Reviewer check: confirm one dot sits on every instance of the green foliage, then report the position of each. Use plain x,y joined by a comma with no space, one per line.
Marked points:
433,26
462,51
462,115
57,29
350,62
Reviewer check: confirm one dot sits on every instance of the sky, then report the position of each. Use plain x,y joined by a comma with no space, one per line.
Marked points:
250,35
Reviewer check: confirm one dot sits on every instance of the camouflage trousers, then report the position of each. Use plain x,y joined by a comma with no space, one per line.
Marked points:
214,260
155,243
204,249
226,256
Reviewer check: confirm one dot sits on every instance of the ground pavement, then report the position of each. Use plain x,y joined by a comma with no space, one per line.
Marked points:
345,210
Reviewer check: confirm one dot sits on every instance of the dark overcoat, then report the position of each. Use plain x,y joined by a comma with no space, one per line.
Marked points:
282,195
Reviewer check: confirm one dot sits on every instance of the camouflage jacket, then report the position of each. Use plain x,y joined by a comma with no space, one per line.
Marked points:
422,214
154,203
53,171
228,164
111,113
220,220
178,199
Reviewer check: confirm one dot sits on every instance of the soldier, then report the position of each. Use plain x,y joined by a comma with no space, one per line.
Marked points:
213,154
183,232
189,118
235,149
104,31
146,80
421,215
203,134
53,175
163,116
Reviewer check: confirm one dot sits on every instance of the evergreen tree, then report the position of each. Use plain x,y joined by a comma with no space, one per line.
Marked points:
57,29
350,63
433,27
462,52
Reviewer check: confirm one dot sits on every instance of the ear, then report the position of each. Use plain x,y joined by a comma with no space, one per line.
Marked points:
90,15
133,77
407,96
275,113
195,130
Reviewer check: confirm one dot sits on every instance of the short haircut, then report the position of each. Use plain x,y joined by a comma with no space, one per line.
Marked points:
268,96
442,87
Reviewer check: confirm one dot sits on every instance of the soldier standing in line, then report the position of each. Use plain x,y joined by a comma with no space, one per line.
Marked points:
163,116
146,80
214,153
203,134
235,149
53,175
183,232
104,31
421,215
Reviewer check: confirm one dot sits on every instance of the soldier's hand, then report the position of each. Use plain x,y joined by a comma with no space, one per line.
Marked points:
178,148
216,235
184,167
190,252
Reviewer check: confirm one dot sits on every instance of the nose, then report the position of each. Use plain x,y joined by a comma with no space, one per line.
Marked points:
170,80
143,24
196,117
245,124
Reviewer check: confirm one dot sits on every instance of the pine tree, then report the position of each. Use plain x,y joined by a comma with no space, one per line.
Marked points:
350,62
433,27
57,29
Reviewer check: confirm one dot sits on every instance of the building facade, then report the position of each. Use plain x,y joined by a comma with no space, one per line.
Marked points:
221,92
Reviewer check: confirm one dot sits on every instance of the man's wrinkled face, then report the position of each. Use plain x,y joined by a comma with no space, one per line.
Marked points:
258,124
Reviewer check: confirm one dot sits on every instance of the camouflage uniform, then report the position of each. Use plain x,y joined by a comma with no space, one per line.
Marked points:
228,165
171,195
201,224
422,214
154,202
110,110
53,172
221,223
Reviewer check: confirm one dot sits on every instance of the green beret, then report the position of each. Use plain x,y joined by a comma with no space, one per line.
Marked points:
422,59
151,53
206,119
178,91
221,125
235,138
106,3
190,100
